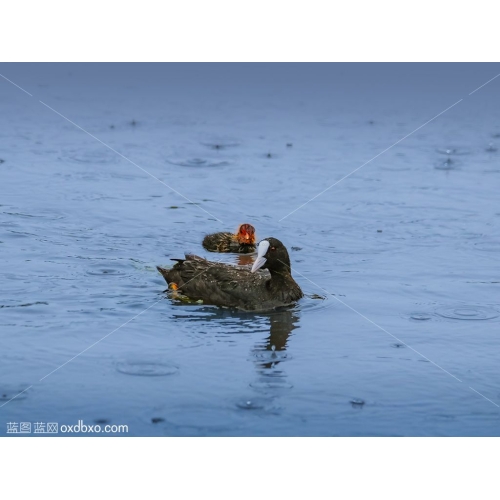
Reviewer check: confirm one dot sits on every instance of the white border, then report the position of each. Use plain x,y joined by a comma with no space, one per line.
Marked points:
261,30
249,467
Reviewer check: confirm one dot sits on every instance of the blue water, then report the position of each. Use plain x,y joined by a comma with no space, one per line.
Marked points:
398,332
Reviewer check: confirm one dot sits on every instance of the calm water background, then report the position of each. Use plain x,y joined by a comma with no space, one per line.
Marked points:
410,241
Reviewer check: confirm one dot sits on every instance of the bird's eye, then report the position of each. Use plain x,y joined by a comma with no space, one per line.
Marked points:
273,248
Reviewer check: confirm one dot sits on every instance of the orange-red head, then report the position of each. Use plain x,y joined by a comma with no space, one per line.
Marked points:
246,234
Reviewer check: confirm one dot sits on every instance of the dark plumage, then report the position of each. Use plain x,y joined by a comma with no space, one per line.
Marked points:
241,242
232,286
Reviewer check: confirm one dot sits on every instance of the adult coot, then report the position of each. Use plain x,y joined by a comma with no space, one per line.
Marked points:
241,242
231,286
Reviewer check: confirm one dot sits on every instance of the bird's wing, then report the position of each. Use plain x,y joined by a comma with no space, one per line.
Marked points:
220,284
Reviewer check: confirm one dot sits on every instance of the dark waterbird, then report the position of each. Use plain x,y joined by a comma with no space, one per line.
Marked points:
231,286
241,242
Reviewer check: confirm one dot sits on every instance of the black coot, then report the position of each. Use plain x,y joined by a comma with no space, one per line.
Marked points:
231,286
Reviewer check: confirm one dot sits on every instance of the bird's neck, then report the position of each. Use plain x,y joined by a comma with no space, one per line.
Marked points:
283,285
279,276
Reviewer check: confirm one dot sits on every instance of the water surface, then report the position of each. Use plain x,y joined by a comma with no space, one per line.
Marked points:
398,332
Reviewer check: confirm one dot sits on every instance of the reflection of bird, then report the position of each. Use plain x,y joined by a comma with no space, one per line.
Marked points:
231,286
272,351
241,242
244,259
282,324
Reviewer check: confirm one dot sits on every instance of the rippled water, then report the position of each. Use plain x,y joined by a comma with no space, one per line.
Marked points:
398,332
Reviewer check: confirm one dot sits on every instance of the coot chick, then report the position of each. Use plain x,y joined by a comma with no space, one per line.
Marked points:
241,242
232,286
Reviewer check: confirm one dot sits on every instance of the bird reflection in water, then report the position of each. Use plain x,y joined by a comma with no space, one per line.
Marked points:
245,259
268,356
272,351
267,353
